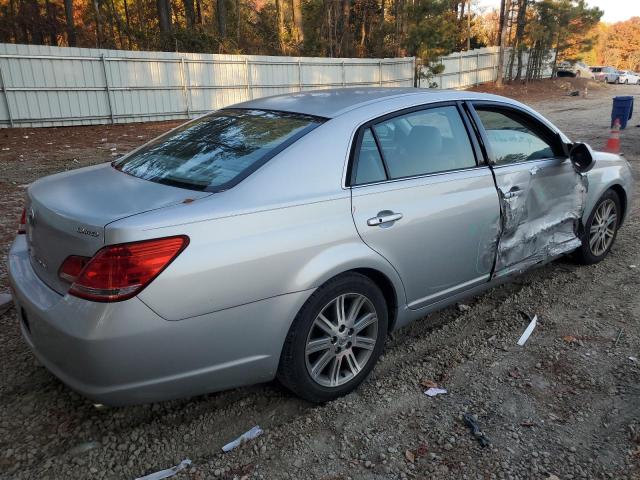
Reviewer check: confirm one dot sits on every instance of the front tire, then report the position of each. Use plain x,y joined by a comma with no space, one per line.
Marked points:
335,340
601,229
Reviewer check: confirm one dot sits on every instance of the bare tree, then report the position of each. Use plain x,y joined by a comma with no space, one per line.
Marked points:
189,13
281,26
164,16
502,35
298,31
71,26
99,34
221,11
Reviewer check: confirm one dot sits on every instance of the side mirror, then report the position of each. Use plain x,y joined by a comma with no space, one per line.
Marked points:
581,157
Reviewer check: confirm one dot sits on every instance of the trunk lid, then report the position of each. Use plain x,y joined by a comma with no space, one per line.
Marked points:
67,213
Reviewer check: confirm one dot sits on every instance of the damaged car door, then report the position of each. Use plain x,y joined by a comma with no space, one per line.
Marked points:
423,201
541,194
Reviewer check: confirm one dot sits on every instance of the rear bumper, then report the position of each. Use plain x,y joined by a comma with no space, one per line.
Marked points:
124,353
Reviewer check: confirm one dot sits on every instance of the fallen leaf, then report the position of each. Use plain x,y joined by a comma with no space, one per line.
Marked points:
569,339
409,455
428,384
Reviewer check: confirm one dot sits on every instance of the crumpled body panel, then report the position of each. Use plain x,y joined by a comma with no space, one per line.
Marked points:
541,209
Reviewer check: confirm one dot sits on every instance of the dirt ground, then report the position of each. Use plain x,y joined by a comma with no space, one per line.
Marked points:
564,406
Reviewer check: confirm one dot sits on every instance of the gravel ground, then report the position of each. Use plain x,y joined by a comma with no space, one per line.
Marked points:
564,406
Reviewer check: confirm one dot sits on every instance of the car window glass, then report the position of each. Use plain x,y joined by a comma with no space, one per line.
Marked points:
427,141
218,150
370,167
511,140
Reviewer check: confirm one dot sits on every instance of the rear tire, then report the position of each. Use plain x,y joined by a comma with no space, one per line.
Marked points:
327,354
601,229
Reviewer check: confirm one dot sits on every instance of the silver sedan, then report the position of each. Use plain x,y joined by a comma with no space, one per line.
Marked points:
285,237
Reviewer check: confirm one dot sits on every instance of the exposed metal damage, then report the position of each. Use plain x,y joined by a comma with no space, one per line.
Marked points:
540,218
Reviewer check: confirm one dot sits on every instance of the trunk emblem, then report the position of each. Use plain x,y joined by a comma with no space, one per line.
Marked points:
85,231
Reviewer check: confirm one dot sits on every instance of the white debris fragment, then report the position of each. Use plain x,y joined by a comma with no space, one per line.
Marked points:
6,301
433,391
245,437
634,359
528,330
169,472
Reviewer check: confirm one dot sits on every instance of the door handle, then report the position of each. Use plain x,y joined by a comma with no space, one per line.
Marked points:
513,193
384,217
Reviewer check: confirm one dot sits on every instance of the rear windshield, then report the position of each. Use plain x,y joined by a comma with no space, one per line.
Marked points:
217,151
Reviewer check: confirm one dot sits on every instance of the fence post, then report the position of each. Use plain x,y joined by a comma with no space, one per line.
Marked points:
380,72
477,68
249,82
6,97
107,87
185,94
299,75
344,74
459,70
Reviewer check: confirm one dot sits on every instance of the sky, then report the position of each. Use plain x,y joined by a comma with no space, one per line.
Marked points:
614,10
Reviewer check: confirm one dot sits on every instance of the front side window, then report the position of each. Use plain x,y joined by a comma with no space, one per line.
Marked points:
510,139
427,141
217,151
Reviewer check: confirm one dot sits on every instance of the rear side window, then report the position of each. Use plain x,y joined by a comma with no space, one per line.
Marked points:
217,151
511,139
370,167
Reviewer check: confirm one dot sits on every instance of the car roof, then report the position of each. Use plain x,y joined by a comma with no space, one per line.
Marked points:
330,103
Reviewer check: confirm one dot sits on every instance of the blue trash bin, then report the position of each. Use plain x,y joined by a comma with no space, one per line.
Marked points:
622,110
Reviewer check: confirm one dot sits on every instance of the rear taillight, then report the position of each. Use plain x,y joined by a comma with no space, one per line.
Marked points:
22,226
71,268
119,272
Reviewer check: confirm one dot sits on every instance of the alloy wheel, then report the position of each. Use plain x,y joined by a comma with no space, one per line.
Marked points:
341,340
603,227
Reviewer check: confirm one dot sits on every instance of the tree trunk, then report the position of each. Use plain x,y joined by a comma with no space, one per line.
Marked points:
298,31
164,16
189,13
346,29
281,26
71,26
238,14
502,35
522,12
51,23
127,19
221,11
99,34
118,21
198,13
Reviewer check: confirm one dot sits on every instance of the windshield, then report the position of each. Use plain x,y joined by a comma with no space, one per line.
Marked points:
217,151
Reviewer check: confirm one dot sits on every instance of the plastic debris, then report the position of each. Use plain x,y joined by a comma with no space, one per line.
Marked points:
433,391
255,432
634,359
527,332
471,422
169,472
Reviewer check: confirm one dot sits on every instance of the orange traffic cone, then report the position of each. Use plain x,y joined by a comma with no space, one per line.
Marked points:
613,144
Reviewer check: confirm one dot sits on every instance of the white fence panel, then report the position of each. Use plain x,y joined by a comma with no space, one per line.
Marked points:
480,65
50,86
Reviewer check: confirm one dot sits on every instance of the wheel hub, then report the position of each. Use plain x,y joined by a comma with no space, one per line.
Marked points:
341,340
